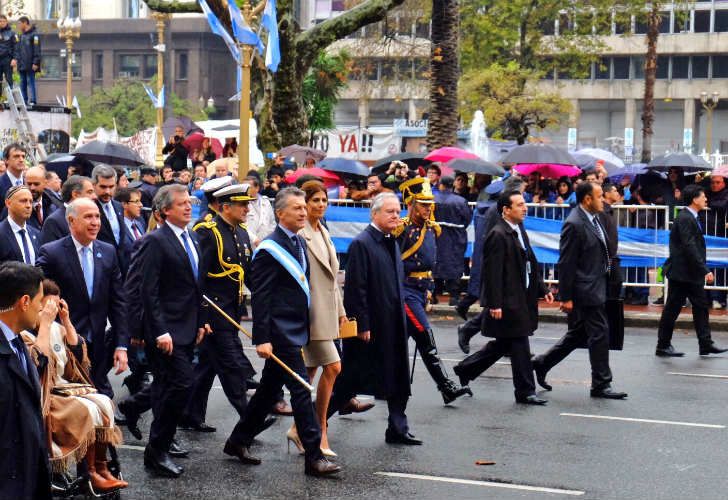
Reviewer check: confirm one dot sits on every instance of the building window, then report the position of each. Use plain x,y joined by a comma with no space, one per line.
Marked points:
700,66
98,66
601,70
721,21
404,69
638,67
621,68
422,29
680,67
142,66
50,9
182,60
422,69
701,24
132,8
74,8
663,67
54,66
720,66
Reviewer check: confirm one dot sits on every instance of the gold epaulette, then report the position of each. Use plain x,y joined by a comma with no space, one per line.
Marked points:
435,227
207,223
403,222
244,226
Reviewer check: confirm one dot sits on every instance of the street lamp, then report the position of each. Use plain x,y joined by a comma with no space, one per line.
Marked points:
160,18
68,30
709,102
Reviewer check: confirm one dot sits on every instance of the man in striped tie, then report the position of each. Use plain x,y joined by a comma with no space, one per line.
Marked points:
131,202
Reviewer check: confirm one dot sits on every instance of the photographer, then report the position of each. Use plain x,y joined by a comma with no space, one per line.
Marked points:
273,183
396,174
177,158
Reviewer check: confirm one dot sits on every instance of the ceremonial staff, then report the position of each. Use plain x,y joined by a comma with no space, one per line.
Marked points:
273,356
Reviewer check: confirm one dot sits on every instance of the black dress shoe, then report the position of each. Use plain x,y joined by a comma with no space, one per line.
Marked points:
463,379
668,352
175,450
711,349
161,463
242,453
531,400
462,312
540,372
132,418
321,467
607,393
251,383
463,340
392,437
193,426
450,391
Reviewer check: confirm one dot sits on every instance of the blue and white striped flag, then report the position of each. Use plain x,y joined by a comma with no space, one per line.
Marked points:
219,30
241,29
157,100
269,21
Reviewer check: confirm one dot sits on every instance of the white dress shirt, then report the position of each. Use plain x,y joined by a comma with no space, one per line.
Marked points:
15,228
14,181
130,225
80,247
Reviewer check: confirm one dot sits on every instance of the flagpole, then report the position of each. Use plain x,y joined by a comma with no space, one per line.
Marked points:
246,56
160,18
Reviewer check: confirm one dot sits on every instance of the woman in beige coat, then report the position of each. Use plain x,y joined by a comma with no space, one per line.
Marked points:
327,308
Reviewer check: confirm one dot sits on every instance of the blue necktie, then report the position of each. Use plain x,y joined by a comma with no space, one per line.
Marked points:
18,344
697,219
113,221
301,257
88,270
190,255
26,250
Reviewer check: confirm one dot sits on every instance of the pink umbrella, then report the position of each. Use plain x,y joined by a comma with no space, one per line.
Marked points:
449,153
194,141
722,171
548,170
328,178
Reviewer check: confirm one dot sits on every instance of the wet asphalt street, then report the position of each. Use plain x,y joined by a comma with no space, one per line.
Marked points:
669,440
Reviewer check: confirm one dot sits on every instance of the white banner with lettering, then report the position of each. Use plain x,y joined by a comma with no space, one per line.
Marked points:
356,143
143,142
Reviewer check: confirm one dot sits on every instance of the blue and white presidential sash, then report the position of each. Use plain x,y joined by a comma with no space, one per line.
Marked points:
288,262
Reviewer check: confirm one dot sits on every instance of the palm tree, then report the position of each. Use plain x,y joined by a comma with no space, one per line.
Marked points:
444,74
648,106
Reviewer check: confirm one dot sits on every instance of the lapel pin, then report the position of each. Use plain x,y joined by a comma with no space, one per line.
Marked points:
98,255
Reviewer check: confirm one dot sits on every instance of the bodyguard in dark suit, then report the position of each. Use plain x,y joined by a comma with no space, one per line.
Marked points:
18,240
280,301
687,271
224,271
24,469
113,229
14,157
376,362
168,260
584,267
55,226
87,272
511,287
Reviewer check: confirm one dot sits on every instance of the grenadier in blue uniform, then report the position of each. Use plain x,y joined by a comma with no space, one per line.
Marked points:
417,239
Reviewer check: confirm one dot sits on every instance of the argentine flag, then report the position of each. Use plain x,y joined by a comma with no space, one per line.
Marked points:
242,31
219,30
270,22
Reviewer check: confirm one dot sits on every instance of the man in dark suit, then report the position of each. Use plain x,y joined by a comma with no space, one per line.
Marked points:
281,327
18,240
584,260
687,270
148,185
511,287
113,229
14,156
55,227
376,362
24,467
608,219
87,272
44,204
168,261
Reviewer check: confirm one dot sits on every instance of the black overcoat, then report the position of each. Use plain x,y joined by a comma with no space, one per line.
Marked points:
504,283
373,295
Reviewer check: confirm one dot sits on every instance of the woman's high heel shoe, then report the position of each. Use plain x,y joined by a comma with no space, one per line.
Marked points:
292,437
327,452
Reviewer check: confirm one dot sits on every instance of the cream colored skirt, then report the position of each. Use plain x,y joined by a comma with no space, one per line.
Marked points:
320,353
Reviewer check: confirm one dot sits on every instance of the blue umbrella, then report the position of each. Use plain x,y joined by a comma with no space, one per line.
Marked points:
344,166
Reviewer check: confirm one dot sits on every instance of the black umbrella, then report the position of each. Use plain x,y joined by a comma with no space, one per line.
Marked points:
186,123
344,166
538,153
684,161
112,153
412,160
475,166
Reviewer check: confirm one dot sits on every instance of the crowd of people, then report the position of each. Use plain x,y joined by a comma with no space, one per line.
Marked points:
106,273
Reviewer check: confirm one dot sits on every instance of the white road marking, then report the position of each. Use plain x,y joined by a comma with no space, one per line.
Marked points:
450,360
130,447
490,484
644,420
701,375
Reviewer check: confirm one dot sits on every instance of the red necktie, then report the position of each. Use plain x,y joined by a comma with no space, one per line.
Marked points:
39,212
137,234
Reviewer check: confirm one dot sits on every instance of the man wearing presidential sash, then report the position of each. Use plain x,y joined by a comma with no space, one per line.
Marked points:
280,300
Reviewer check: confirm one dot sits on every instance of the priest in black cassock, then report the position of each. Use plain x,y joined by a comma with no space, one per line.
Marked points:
376,361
